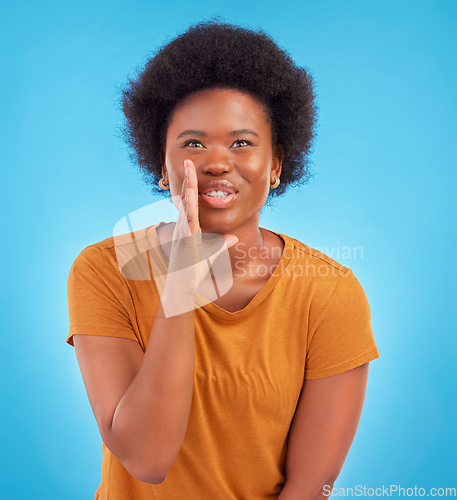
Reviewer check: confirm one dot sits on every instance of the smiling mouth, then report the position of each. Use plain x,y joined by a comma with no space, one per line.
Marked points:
217,194
218,199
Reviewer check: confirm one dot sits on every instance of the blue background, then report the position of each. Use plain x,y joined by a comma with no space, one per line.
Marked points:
385,164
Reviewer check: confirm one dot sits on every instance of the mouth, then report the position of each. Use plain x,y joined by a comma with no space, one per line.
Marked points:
218,198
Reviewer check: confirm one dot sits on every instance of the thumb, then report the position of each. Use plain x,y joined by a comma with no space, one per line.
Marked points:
230,240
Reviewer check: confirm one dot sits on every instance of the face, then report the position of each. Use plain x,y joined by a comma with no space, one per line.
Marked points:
226,134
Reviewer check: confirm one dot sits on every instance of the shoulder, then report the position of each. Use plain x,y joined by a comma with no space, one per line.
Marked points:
124,253
93,257
318,258
311,262
319,275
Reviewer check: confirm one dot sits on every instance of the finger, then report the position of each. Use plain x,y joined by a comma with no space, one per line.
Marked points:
194,226
184,198
214,244
182,226
185,193
192,206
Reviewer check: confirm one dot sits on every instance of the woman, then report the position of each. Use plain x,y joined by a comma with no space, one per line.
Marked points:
208,382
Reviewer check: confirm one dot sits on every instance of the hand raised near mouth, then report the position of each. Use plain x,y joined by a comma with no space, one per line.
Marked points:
190,250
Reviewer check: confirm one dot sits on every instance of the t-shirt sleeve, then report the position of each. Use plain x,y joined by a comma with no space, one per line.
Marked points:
341,338
98,298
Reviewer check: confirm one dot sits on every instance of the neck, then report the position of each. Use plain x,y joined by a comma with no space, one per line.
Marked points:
245,254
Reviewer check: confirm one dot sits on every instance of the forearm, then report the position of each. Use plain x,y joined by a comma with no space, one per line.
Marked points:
150,421
305,492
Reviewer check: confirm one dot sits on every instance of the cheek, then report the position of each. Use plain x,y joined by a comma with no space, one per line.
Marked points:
258,180
258,173
175,169
176,186
175,180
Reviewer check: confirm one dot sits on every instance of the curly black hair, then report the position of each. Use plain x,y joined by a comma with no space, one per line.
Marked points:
213,54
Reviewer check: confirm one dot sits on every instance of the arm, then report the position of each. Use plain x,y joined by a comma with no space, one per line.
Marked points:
142,401
322,431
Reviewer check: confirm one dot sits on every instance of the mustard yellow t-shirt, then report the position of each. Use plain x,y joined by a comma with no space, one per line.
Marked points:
310,320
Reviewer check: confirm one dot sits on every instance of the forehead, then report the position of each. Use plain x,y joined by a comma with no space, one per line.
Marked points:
222,105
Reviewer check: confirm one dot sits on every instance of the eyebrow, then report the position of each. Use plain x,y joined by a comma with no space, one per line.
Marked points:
202,134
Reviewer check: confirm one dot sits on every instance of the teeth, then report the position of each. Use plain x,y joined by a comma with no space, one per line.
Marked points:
217,194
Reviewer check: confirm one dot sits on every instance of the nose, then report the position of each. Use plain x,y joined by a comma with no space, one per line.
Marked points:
215,163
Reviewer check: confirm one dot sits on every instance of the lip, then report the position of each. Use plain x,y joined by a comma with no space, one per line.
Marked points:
219,185
218,202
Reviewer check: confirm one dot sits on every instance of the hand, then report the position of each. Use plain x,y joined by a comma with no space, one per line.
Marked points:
191,251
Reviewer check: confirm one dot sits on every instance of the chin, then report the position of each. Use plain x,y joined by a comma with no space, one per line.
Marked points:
217,224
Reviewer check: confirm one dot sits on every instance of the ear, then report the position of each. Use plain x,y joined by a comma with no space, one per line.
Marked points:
162,161
278,156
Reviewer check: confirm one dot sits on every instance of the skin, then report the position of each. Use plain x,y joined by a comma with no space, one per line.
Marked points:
123,381
218,154
322,432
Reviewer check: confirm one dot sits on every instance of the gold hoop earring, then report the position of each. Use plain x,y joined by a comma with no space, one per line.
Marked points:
275,183
166,187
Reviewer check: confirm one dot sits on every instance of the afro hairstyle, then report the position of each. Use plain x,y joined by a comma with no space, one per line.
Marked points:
212,54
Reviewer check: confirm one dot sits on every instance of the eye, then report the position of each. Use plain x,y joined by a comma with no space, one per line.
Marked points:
249,143
187,143
193,141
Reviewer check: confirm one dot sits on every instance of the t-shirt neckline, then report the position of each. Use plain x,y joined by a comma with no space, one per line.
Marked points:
215,310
